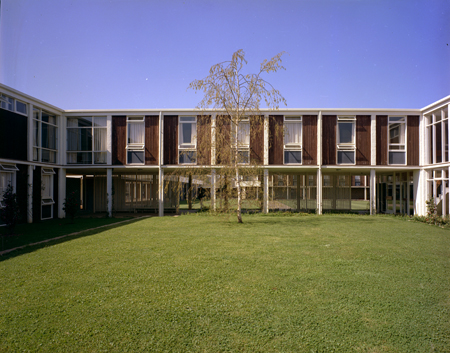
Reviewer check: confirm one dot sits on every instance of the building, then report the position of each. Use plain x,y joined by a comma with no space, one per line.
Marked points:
369,160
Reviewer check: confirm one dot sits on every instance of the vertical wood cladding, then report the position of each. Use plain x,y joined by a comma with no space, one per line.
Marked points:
257,140
204,140
412,140
276,139
223,136
363,139
13,135
119,140
309,140
382,121
170,139
37,179
151,140
329,139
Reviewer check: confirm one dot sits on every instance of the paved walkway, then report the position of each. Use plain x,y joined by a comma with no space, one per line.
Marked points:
69,235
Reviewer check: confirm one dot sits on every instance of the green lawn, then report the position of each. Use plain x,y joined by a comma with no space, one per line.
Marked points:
198,283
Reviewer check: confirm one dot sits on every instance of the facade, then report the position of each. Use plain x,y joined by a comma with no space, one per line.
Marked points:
324,160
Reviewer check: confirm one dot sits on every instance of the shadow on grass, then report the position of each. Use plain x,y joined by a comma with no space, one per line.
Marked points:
67,237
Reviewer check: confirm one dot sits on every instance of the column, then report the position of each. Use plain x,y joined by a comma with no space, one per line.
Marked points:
109,191
30,194
419,187
266,141
372,188
408,182
161,192
319,191
213,141
213,189
266,191
373,139
61,192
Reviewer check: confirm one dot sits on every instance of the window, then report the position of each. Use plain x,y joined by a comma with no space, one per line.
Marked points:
242,141
45,136
135,140
397,138
86,140
7,177
346,140
21,107
7,103
187,140
292,140
47,193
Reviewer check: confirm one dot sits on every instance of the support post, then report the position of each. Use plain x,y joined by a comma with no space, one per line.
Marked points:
109,191
30,194
266,140
213,190
161,192
319,191
408,181
266,191
61,192
372,188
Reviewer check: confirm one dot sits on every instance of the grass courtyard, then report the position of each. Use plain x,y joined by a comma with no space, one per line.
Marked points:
198,283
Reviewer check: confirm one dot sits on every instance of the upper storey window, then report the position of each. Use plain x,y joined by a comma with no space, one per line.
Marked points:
187,140
397,140
135,140
346,140
12,104
86,140
45,136
242,141
292,140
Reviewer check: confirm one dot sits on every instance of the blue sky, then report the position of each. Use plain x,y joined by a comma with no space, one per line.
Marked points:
97,54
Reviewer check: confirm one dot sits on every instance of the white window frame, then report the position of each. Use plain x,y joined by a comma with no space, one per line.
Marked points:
136,147
7,102
242,147
346,146
292,146
37,147
187,147
396,144
47,200
9,169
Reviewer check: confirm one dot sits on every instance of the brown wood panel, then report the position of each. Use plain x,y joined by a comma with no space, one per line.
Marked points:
151,139
329,139
309,140
119,140
170,139
257,140
204,140
276,139
363,139
413,140
223,139
382,121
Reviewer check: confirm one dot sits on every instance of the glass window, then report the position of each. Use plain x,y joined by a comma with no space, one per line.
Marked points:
21,107
346,140
243,137
397,140
86,140
7,102
346,132
45,136
292,156
292,140
136,131
187,140
346,157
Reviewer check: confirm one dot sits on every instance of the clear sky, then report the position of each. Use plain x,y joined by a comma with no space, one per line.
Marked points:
108,54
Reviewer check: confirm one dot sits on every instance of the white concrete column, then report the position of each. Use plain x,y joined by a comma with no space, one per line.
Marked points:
30,133
161,192
61,192
213,142
30,194
408,193
109,191
266,140
319,191
109,140
372,192
420,191
373,139
319,139
213,189
266,191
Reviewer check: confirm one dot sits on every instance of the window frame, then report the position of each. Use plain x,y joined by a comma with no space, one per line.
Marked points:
346,146
404,150
37,139
47,200
242,148
184,149
92,151
133,146
292,147
9,169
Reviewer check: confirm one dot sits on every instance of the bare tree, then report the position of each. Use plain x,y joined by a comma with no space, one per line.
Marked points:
238,97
